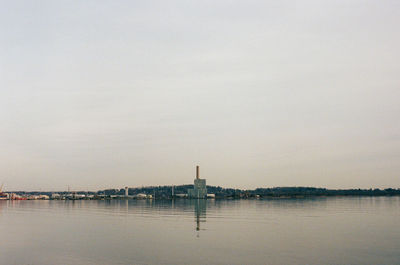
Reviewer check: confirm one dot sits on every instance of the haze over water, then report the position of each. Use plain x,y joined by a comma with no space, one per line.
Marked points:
350,230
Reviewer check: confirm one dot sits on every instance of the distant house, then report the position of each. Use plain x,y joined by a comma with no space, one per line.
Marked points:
55,196
141,196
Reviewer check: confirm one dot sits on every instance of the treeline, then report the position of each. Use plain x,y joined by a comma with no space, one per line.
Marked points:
165,192
309,191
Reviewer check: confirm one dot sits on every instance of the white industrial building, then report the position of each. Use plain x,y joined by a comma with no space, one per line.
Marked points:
199,190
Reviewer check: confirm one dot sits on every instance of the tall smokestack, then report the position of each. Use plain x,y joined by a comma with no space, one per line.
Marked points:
197,172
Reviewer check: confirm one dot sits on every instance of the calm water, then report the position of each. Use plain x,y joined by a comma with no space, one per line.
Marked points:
307,231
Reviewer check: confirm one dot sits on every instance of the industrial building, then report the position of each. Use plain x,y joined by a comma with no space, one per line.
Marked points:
199,190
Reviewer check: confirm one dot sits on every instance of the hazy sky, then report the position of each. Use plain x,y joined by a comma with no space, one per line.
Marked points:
99,94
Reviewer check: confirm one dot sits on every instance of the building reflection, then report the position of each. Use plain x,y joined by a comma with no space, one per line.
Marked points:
200,206
153,207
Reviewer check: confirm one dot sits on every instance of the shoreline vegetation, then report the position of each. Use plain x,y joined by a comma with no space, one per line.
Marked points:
180,191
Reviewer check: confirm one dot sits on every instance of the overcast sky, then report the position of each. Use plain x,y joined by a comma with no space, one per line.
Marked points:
107,94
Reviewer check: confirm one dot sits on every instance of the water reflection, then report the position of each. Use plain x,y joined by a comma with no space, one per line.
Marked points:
148,208
200,206
166,208
303,231
2,203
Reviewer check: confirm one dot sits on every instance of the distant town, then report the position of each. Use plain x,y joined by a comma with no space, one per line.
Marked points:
177,192
198,190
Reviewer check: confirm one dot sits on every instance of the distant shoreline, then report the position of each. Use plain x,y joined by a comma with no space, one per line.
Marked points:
214,192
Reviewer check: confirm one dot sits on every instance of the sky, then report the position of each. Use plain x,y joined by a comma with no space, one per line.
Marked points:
108,94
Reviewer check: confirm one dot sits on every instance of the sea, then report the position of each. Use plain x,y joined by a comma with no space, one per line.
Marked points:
321,230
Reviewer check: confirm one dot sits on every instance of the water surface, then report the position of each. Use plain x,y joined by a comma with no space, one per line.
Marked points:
355,230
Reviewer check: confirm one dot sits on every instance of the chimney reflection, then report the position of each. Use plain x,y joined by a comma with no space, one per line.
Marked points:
200,206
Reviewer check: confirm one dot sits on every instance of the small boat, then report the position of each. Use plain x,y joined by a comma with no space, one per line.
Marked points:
3,196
